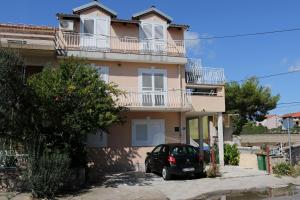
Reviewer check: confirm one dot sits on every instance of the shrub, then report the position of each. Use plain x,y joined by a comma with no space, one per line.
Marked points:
231,154
213,171
283,169
46,173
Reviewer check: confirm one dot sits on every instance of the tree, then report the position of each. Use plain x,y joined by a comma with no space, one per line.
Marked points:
57,108
14,101
70,102
250,101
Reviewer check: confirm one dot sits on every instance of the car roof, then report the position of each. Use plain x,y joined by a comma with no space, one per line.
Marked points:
176,144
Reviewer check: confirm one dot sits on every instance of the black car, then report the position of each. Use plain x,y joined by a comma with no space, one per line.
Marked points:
174,159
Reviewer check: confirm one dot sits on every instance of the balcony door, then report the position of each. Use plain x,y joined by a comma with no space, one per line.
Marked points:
94,32
153,87
153,37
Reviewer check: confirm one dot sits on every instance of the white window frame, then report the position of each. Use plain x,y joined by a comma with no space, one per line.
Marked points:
92,41
149,143
153,40
102,70
96,144
153,71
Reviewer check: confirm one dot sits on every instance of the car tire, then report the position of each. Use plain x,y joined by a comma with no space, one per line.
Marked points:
166,174
198,175
147,167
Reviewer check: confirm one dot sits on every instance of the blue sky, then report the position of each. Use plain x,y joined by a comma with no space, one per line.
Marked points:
241,57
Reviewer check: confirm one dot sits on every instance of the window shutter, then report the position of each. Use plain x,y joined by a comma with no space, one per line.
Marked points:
97,140
147,31
159,32
88,26
103,72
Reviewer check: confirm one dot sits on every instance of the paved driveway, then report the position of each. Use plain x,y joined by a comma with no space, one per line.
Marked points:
138,185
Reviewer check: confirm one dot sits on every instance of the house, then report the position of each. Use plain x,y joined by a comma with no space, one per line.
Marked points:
171,99
271,121
295,116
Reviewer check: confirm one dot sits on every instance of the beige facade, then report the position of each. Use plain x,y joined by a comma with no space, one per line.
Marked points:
145,56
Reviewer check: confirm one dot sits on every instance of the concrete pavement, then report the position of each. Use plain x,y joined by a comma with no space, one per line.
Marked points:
137,185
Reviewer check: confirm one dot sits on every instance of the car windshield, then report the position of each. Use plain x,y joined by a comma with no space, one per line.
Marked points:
183,150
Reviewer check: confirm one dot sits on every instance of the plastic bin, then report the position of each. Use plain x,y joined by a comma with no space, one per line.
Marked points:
261,161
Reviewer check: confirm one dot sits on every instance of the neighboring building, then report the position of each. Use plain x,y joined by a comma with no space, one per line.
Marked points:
294,116
271,121
167,94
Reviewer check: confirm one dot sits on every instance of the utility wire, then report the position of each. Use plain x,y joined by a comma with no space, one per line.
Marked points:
287,103
267,76
244,34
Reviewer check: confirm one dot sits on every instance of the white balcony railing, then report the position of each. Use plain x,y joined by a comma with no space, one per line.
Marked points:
133,45
197,74
172,99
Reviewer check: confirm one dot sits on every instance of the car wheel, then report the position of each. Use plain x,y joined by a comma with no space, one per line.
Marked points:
198,175
147,167
166,174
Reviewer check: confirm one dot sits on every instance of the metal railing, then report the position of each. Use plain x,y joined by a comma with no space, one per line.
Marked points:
134,45
171,99
197,74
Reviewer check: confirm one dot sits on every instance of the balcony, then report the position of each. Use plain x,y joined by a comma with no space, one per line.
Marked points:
172,100
70,41
196,74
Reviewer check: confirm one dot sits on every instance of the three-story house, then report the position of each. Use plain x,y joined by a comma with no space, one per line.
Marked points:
170,98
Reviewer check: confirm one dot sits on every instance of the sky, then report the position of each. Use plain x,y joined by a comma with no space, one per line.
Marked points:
240,57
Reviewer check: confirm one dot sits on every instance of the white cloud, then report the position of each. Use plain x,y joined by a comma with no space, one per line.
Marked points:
295,67
192,44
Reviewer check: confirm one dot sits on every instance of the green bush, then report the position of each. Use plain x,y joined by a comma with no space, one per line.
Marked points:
213,171
46,173
231,154
283,169
252,128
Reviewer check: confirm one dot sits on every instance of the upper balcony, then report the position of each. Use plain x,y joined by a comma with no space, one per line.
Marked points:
196,74
116,48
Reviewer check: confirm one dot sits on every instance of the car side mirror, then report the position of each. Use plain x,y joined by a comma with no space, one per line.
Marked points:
148,153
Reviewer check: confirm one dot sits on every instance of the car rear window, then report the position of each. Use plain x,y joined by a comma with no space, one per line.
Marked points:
183,150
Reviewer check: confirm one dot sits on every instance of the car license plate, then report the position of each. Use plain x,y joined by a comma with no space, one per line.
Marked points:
191,169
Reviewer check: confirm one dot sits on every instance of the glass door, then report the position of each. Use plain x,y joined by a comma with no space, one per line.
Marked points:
153,88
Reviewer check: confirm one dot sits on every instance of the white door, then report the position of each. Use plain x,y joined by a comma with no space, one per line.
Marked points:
148,132
153,87
94,32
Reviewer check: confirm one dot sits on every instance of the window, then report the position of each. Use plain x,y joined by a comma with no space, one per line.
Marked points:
153,36
148,132
97,140
156,150
88,26
184,150
153,87
103,72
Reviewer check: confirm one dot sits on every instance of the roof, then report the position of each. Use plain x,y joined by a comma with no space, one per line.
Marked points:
271,116
296,114
27,29
186,27
152,9
67,16
125,21
95,4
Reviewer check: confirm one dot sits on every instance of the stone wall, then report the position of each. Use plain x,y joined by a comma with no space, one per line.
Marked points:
258,139
10,179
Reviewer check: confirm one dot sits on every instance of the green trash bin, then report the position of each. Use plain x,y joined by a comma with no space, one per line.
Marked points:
261,161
